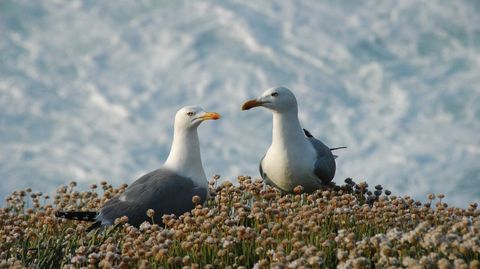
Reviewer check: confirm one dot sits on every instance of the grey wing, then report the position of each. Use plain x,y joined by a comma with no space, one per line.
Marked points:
161,190
324,167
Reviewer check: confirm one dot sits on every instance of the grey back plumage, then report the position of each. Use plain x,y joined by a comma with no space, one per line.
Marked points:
162,190
324,167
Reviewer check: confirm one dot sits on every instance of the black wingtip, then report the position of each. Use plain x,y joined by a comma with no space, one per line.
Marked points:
307,133
77,215
332,149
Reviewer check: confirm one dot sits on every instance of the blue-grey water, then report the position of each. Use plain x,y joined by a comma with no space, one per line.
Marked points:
88,89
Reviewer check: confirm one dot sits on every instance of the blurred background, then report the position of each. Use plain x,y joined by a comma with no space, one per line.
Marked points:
89,89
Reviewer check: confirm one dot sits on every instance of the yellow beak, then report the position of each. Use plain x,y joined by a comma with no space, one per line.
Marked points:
210,116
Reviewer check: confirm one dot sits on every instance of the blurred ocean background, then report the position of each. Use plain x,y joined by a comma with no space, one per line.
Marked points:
88,89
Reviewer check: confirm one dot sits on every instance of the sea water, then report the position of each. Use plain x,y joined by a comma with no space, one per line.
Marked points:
88,89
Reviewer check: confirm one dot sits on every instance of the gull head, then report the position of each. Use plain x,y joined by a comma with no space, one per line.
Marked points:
191,116
279,99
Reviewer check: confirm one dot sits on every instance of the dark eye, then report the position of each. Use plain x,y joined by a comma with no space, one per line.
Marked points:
190,113
275,94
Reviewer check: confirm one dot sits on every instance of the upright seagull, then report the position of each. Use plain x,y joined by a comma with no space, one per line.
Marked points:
167,190
295,157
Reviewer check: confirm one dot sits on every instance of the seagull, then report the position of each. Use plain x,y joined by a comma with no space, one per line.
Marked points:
167,190
295,157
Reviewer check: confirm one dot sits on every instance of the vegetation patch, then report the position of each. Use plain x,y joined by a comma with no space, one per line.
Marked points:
246,225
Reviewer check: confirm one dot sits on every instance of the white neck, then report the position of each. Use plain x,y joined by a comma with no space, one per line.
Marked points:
185,158
287,131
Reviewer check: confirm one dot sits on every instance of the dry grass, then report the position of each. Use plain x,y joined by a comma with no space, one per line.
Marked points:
241,226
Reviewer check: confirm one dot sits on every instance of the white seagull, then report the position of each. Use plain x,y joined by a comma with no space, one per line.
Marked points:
167,190
295,157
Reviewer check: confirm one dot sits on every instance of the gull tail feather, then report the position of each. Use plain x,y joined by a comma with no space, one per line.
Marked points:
77,215
332,149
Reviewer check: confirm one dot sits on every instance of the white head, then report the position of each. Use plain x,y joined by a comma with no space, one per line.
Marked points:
279,99
185,158
191,117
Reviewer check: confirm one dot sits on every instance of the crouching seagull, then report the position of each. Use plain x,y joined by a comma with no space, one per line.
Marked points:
295,157
167,190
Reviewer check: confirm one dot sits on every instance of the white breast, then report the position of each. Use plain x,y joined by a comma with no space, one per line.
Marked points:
290,166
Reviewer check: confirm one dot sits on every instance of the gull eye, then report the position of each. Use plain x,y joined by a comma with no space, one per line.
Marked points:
275,94
190,113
